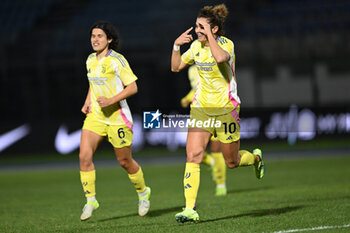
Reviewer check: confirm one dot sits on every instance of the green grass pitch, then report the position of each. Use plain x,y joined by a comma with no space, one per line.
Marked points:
294,194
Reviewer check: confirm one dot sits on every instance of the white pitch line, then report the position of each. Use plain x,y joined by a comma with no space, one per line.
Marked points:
313,228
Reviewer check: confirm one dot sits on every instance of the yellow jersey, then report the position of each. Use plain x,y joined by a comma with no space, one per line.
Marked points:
107,77
216,92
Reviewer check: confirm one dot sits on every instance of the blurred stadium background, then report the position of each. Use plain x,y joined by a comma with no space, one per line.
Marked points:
293,73
292,66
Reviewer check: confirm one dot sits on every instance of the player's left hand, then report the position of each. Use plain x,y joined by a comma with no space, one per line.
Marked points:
103,101
207,28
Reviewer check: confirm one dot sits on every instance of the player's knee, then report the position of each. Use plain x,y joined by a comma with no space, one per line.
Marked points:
124,162
195,156
232,164
85,160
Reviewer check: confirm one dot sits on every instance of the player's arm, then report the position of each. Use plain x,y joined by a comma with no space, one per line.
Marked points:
176,63
86,106
185,101
129,90
218,53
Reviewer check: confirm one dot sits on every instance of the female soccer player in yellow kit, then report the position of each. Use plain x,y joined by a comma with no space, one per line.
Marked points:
215,98
111,81
214,159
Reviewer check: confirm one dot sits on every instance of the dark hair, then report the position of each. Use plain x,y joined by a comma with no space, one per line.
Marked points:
110,31
216,16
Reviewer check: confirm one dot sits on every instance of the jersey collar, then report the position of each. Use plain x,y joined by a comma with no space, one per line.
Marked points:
109,52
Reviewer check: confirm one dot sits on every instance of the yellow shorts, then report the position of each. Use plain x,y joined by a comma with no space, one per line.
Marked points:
224,128
118,135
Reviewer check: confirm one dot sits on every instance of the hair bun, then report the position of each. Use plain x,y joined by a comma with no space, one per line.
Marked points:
220,11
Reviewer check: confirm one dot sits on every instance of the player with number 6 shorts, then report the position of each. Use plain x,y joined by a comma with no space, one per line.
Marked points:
111,82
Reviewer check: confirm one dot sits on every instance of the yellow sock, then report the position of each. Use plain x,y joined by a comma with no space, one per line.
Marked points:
247,158
138,181
191,183
208,159
219,168
88,181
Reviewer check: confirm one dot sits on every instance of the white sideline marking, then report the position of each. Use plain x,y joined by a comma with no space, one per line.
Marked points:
313,228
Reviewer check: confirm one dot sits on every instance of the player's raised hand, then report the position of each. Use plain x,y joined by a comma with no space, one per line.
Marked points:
184,38
207,28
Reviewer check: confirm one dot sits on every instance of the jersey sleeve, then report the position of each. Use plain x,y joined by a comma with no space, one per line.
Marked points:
124,71
226,45
188,57
88,60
